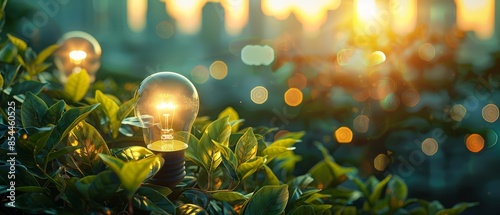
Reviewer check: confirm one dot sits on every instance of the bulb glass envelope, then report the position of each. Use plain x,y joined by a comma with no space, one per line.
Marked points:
77,50
166,108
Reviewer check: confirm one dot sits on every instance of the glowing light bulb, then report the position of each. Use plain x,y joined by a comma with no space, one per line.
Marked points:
77,50
167,105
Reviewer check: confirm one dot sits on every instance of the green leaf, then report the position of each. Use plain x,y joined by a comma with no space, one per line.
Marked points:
131,173
292,135
71,194
122,112
210,180
1,81
8,53
361,187
27,86
229,196
109,105
375,195
219,130
327,173
301,181
132,153
61,152
246,147
273,151
457,209
248,168
31,189
77,85
89,143
83,186
271,177
54,113
233,116
69,119
20,44
44,54
269,200
150,200
208,153
35,203
284,142
42,67
32,111
303,209
23,176
190,209
230,161
397,192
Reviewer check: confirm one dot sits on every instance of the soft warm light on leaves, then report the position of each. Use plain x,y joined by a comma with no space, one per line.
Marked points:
411,97
259,94
200,74
474,142
458,112
218,70
293,97
380,162
426,52
430,146
343,135
490,113
361,123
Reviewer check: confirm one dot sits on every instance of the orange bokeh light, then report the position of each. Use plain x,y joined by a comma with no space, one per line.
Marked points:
474,143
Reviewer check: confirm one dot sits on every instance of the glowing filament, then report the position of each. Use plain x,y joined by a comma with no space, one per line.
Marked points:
166,111
77,56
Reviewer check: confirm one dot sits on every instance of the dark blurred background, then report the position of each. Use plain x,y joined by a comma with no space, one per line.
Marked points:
416,83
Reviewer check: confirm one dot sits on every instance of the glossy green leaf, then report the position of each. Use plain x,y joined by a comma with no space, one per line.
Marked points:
53,113
109,105
284,142
122,112
457,209
161,189
83,186
327,172
375,195
273,151
190,209
210,180
61,152
68,121
301,181
292,135
397,191
71,194
105,184
89,143
248,168
150,200
229,161
32,111
219,130
208,153
131,173
132,153
1,81
44,54
35,203
27,86
23,177
271,177
229,196
361,187
41,67
322,209
233,116
303,209
8,53
246,147
268,200
20,44
77,85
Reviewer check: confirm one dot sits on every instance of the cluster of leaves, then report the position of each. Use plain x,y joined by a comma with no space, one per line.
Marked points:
75,155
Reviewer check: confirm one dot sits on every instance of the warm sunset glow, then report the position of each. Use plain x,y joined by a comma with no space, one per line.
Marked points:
187,14
136,14
365,9
476,15
404,16
312,14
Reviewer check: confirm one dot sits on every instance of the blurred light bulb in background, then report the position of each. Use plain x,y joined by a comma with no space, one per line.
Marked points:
77,50
167,105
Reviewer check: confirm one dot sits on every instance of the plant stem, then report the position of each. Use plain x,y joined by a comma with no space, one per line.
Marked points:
130,208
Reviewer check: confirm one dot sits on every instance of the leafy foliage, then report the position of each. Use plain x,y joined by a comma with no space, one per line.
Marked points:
76,156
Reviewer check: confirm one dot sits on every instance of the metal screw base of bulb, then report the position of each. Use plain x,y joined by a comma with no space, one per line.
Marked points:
173,170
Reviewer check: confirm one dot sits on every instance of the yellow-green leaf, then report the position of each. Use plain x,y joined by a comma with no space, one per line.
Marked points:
109,106
248,168
77,85
20,44
44,54
274,151
233,116
246,147
1,82
271,177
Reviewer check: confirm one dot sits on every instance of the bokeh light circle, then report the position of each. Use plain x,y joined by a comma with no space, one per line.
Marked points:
293,97
426,52
200,74
490,113
474,143
458,112
380,162
491,138
361,123
390,102
165,29
343,135
298,80
259,95
430,146
218,70
411,97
